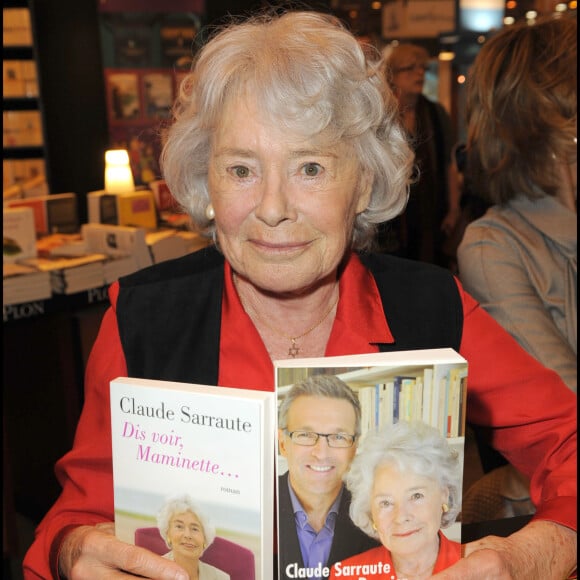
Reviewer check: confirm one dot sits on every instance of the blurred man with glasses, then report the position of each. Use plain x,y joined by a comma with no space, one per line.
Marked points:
318,430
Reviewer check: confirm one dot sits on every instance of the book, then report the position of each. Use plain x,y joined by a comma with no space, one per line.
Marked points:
136,208
165,244
24,284
118,241
391,387
71,274
164,199
19,234
16,27
55,213
216,445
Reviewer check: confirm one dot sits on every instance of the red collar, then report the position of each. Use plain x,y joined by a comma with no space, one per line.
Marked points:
359,325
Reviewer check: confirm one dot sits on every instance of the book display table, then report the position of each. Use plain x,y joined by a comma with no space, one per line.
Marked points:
46,345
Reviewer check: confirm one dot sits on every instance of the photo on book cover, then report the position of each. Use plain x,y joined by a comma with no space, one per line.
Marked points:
370,464
193,470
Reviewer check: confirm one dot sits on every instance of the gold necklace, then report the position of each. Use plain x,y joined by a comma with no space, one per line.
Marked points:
293,349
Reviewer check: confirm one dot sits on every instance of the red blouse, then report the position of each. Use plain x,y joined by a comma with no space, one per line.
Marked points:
379,564
502,397
359,322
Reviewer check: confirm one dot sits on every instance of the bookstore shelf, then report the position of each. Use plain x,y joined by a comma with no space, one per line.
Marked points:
23,131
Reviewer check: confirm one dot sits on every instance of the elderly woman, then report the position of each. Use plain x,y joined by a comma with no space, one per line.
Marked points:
287,149
406,486
187,533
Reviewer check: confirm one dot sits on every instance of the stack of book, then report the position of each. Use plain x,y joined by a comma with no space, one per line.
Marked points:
24,284
117,266
21,283
19,235
125,247
71,274
165,245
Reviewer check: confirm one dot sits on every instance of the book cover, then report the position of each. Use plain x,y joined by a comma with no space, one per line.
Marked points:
137,209
53,213
19,234
102,207
214,445
38,206
118,241
157,87
390,388
164,199
134,209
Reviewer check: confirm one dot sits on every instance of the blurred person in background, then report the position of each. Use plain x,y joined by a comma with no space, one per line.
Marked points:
519,260
433,210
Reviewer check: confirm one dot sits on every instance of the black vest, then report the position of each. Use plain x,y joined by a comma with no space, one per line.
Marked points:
169,315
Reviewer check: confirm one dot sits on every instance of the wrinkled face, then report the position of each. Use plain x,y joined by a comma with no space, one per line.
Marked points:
284,206
186,536
406,510
318,470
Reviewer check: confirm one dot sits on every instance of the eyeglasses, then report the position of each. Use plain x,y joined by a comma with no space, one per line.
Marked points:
412,67
309,438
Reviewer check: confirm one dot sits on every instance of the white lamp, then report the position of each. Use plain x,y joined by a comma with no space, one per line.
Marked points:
118,175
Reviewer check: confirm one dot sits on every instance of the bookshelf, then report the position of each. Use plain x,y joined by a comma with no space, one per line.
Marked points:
23,139
434,393
64,53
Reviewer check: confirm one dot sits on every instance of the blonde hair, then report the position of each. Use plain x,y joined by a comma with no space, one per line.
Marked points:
521,106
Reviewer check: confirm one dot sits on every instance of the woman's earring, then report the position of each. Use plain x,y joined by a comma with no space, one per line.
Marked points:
374,527
210,212
444,508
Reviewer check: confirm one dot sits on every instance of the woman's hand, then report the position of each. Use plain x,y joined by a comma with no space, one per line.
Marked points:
540,551
95,552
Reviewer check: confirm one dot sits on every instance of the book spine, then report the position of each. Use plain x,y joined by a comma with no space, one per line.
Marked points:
427,395
442,404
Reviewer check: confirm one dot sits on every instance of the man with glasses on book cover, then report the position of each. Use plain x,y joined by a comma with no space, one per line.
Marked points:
318,429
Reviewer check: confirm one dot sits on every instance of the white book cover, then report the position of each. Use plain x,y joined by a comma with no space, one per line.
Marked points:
214,444
19,234
360,373
118,241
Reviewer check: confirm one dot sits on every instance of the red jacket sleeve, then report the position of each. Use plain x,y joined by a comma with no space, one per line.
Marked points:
527,410
85,473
